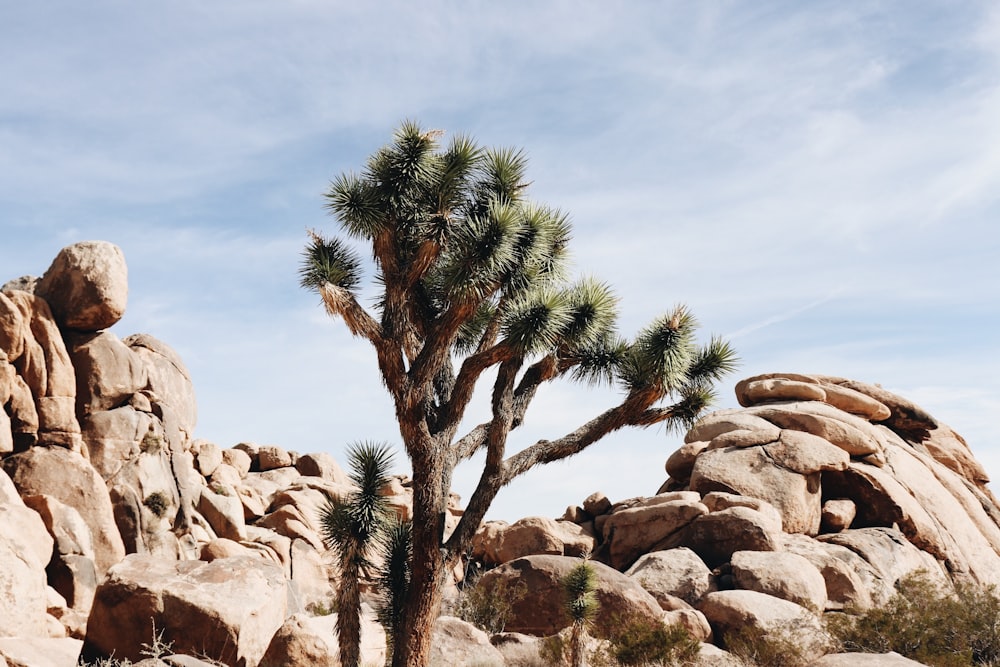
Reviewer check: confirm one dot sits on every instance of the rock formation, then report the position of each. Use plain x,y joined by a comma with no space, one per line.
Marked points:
119,528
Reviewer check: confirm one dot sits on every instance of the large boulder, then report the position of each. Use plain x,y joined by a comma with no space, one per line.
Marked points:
784,575
459,644
298,644
71,571
731,611
716,536
674,573
227,610
650,526
497,542
752,471
168,380
86,286
540,610
67,477
891,659
25,549
108,372
46,369
39,652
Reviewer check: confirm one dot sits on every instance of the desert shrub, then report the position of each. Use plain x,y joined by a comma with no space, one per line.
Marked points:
766,648
923,622
321,608
639,641
554,650
157,502
489,608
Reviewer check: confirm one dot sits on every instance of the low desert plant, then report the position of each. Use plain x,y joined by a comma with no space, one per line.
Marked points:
489,608
322,608
927,623
157,502
766,648
639,641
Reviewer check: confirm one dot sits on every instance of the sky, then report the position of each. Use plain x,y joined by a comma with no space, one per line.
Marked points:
818,181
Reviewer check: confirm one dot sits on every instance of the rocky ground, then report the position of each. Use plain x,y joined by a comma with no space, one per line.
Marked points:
121,534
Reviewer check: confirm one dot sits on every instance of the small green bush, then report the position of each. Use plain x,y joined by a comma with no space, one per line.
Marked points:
925,623
157,502
640,641
774,648
489,609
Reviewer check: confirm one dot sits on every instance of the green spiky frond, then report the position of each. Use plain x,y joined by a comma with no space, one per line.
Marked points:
579,586
539,255
402,169
538,321
712,362
662,353
594,309
501,178
481,253
350,525
357,205
600,362
396,543
329,262
370,463
457,169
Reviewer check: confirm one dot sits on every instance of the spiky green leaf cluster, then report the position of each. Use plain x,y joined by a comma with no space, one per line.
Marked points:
329,262
396,544
579,586
352,525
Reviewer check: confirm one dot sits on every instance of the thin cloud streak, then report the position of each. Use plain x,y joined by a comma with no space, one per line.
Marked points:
822,180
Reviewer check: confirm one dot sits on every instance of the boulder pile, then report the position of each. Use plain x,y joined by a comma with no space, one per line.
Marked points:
818,496
122,533
117,526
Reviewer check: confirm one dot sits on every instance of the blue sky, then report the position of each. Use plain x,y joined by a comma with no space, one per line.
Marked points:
820,182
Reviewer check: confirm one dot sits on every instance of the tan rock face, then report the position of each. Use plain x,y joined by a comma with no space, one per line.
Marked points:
67,477
39,651
891,659
108,372
86,286
632,532
729,611
297,644
782,575
676,573
227,610
25,549
320,465
12,329
716,536
540,611
169,382
46,369
752,472
456,642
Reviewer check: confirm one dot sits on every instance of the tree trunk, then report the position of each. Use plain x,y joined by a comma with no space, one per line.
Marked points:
349,616
429,567
578,645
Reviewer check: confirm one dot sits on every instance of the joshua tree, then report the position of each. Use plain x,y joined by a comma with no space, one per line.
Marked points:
471,279
579,585
352,527
396,544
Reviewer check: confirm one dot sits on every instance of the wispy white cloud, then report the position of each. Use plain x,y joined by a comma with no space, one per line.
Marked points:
821,180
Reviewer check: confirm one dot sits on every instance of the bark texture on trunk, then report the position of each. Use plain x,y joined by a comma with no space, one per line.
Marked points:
429,566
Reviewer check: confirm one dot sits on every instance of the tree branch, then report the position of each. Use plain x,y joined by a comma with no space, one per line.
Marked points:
491,479
341,303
